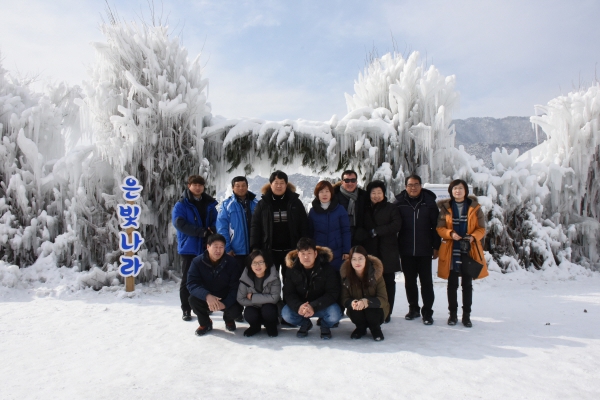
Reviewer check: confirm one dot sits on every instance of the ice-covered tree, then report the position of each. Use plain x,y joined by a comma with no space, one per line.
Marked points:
143,109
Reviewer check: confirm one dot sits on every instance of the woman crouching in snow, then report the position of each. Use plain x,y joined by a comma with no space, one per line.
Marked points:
260,293
363,293
460,217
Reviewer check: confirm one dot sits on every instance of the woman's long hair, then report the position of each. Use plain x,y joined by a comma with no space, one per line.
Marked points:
251,258
353,278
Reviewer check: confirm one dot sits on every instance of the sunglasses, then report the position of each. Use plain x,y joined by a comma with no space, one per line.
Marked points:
353,180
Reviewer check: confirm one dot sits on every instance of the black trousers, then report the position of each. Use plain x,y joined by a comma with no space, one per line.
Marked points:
264,315
467,292
186,261
420,267
201,309
369,317
390,288
278,258
241,260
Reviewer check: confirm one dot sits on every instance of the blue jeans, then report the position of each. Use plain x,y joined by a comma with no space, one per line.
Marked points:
329,316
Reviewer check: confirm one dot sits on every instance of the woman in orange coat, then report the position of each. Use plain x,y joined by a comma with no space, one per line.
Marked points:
460,217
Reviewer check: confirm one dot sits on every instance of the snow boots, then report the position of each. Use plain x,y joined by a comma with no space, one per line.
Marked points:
203,330
304,328
466,320
452,319
359,332
253,330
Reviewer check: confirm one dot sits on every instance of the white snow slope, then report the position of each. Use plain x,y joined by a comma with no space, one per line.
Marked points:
535,336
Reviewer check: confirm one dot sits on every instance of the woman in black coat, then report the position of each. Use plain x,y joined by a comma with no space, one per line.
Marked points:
383,222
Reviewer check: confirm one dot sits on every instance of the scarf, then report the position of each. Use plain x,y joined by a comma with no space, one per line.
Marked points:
325,206
459,224
352,196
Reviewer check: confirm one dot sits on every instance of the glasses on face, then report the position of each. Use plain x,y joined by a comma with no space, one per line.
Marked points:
350,180
258,263
413,185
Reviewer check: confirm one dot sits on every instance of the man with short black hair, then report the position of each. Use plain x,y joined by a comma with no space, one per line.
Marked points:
279,220
354,200
194,216
311,289
418,243
213,282
234,219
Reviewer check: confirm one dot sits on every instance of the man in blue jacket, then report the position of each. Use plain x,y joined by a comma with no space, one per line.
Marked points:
213,282
418,243
194,216
234,219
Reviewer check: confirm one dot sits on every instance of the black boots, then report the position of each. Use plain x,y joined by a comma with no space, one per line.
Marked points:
187,315
452,319
272,329
466,320
253,330
359,332
304,328
412,314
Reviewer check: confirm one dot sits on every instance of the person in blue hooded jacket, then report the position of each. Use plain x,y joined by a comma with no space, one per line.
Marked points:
328,224
194,216
234,219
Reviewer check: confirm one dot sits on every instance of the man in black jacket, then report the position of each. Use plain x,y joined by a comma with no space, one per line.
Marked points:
311,289
279,220
213,282
418,243
354,200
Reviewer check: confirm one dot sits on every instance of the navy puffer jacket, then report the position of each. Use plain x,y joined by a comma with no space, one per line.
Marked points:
330,228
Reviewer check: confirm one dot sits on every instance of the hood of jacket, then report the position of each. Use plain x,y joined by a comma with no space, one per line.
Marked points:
374,263
427,195
323,252
267,188
444,205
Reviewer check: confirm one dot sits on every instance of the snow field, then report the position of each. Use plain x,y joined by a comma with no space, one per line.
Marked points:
98,345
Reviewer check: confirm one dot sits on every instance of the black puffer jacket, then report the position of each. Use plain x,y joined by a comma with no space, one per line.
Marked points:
358,232
385,219
418,235
261,229
324,288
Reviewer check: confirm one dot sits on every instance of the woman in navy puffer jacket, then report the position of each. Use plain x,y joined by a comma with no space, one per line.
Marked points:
328,223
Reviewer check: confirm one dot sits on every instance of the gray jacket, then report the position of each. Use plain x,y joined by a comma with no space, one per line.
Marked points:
271,292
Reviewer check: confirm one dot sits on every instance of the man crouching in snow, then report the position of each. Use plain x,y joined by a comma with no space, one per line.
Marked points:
311,288
213,281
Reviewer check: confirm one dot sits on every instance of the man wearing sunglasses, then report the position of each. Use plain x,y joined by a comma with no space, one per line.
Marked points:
353,199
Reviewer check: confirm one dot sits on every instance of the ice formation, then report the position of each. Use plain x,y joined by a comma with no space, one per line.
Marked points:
144,112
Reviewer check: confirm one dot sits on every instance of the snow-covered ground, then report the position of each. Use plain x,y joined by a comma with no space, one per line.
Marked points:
535,336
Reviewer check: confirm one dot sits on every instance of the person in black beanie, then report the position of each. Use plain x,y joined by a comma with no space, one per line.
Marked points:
279,220
383,222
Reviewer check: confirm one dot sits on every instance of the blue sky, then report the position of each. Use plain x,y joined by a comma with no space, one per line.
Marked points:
284,59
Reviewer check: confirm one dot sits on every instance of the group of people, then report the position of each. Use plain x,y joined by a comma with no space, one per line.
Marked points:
340,257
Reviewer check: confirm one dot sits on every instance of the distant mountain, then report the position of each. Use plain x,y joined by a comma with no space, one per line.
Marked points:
481,136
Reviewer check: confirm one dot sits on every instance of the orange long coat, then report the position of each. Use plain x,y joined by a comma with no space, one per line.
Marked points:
475,228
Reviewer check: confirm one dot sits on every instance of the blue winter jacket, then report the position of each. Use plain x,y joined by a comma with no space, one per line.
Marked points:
231,223
330,228
190,227
220,281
